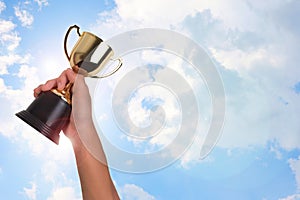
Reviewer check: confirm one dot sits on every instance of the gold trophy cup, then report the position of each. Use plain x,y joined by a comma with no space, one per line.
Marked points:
51,110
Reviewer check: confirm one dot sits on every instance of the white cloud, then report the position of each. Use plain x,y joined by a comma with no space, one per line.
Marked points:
238,60
2,6
258,65
153,96
24,16
13,100
12,40
42,3
134,192
8,37
192,155
50,171
6,26
291,197
234,14
31,192
56,158
295,166
149,14
134,14
250,102
64,193
274,148
11,59
255,60
2,85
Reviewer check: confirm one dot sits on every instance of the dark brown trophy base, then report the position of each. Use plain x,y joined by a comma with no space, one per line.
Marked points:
48,114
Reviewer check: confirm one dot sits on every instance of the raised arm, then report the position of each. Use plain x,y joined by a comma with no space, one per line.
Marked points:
95,179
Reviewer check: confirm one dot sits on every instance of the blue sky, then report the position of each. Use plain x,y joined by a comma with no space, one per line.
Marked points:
254,46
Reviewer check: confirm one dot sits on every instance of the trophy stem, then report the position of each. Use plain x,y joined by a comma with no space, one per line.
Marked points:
65,94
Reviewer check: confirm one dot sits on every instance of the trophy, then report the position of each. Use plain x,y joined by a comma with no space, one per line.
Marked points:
51,110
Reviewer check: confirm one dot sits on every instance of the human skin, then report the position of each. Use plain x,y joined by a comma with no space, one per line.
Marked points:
95,179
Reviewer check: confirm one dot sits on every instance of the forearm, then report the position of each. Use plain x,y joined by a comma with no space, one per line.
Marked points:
96,183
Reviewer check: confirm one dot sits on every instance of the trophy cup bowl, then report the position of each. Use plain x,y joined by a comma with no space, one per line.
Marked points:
51,110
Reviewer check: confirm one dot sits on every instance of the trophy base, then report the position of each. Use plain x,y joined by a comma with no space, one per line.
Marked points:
39,126
48,114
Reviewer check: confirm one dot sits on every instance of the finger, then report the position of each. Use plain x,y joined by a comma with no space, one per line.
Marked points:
50,84
62,81
44,87
37,90
71,75
59,83
66,76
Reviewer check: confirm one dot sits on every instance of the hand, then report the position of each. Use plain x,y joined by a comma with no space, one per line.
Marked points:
81,116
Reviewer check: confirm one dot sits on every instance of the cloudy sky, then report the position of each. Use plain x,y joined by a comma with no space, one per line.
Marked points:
255,48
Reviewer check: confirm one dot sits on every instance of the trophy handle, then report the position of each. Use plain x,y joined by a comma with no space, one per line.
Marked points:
66,38
113,71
